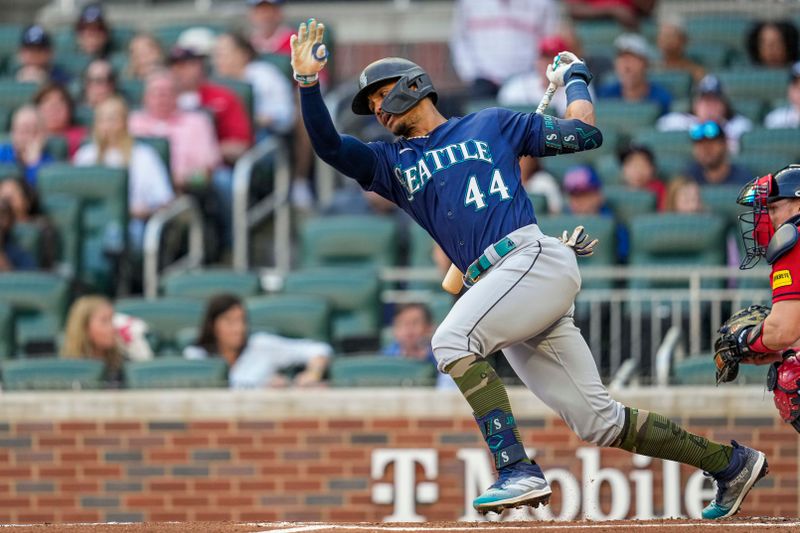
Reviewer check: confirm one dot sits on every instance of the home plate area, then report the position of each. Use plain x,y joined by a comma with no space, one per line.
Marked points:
741,525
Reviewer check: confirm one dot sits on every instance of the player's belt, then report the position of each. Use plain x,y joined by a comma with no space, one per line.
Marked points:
489,257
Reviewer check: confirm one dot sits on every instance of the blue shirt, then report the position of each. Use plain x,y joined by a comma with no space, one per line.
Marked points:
737,175
8,155
656,94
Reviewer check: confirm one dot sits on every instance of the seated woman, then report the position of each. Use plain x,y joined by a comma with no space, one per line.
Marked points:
94,331
24,202
254,359
58,113
112,145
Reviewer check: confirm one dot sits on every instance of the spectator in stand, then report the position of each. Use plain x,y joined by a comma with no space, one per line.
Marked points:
539,181
672,40
631,63
99,83
235,58
709,104
24,204
57,110
35,58
26,148
12,257
773,44
255,359
194,151
626,12
95,331
268,33
711,164
92,32
787,116
144,56
112,145
493,40
683,196
639,172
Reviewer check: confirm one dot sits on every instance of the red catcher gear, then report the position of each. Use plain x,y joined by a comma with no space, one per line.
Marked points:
784,382
755,224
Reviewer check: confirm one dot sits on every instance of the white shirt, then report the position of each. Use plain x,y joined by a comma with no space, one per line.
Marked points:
783,117
495,39
148,180
272,96
263,356
734,128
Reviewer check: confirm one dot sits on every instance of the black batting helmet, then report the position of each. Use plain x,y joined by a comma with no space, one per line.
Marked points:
786,184
402,97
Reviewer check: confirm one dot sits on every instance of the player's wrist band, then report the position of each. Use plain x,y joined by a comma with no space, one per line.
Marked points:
577,89
304,79
757,344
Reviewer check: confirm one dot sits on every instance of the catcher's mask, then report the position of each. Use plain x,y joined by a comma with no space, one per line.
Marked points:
413,85
755,224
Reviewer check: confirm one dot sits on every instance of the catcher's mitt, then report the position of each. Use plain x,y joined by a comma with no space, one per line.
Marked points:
732,344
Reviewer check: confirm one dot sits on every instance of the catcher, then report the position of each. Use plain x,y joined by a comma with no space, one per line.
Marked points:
758,335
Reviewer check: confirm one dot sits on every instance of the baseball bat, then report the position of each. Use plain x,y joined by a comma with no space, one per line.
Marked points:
453,280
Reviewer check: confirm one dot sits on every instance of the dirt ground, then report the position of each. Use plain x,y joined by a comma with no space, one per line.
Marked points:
742,525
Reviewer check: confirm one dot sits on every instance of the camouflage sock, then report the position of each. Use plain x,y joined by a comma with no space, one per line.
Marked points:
481,386
654,435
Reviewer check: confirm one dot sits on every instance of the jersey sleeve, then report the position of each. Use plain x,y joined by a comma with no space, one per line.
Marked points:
543,135
522,130
383,180
786,276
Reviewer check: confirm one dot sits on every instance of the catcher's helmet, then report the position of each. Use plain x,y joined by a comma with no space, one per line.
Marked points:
402,97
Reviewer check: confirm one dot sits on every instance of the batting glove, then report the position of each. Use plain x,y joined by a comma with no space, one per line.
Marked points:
565,67
309,55
579,242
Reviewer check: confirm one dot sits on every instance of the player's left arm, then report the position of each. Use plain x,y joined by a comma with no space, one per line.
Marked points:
782,326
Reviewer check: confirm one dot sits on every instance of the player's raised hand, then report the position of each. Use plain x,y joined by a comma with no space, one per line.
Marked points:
309,55
564,66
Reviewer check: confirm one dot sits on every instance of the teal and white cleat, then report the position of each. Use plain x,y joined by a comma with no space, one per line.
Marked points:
746,468
519,485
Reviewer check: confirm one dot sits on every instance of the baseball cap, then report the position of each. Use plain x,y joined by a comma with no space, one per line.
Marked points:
706,131
193,43
35,36
632,43
710,86
91,15
581,179
259,2
794,72
552,45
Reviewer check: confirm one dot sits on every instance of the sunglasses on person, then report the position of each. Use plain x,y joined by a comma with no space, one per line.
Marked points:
706,130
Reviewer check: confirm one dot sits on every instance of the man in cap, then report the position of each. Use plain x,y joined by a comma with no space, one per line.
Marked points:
709,104
268,33
711,164
92,31
787,116
35,58
632,85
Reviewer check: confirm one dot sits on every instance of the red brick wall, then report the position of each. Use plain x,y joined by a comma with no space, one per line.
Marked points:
297,469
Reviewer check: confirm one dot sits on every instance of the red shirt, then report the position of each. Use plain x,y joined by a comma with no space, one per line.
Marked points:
786,276
278,43
230,117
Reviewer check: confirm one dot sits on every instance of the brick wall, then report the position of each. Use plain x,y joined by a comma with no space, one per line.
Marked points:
214,455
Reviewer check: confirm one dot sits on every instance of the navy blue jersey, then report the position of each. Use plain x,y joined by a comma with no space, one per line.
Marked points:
462,182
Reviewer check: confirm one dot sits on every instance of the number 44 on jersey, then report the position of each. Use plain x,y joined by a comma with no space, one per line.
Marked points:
475,196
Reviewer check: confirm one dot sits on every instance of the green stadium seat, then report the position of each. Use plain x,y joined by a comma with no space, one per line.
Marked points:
10,35
164,316
176,372
381,371
353,294
51,373
440,304
728,29
7,345
56,146
65,212
665,142
73,62
539,203
168,35
595,32
752,108
300,316
349,240
160,145
27,235
721,199
670,165
627,202
701,370
625,117
243,90
206,283
39,301
132,90
609,170
281,61
753,82
9,170
14,93
421,247
713,56
677,82
762,163
103,193
778,141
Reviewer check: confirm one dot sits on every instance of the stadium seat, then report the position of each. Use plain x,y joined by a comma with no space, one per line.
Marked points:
539,203
65,213
103,193
164,316
380,371
713,56
160,145
176,372
7,348
627,202
39,301
9,170
168,35
663,142
721,199
72,61
625,117
609,170
27,235
752,108
353,294
207,283
291,315
56,146
779,141
763,163
758,83
14,93
132,90
727,29
595,32
281,61
421,251
349,240
701,370
10,35
677,82
51,373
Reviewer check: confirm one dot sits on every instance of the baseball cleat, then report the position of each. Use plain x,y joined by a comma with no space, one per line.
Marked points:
747,466
519,485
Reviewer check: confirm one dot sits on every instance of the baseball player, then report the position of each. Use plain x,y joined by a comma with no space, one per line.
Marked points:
459,179
759,335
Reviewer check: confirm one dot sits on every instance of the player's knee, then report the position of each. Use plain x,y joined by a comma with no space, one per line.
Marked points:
445,348
600,427
602,435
